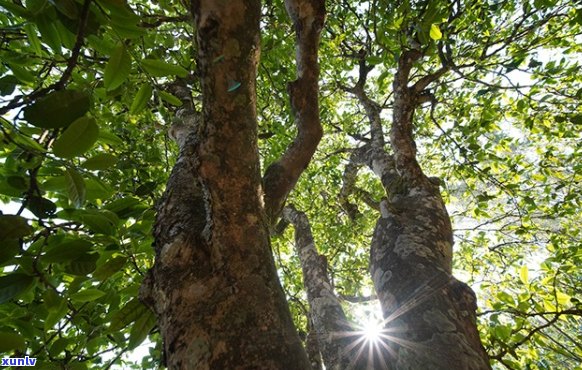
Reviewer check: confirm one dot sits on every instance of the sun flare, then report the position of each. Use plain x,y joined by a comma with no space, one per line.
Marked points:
372,331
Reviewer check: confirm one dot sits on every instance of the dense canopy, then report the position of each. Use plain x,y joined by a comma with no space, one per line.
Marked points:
89,89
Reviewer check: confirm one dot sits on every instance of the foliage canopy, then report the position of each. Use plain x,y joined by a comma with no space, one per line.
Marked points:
86,102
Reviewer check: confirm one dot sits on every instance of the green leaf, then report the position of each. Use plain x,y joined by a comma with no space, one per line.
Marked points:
110,138
75,187
78,138
109,268
8,84
28,143
58,109
14,227
33,39
37,6
9,249
98,189
13,285
52,300
57,184
10,341
68,250
170,98
374,60
100,161
87,295
524,275
145,189
124,207
141,329
41,207
125,23
68,8
158,68
562,298
100,223
17,182
58,346
141,99
503,331
49,32
15,8
435,32
83,265
116,6
56,314
506,297
22,74
129,313
117,68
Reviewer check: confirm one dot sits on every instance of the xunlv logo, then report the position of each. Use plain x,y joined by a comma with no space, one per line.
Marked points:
18,361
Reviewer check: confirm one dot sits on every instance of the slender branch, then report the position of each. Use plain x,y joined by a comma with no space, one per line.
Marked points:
72,62
372,108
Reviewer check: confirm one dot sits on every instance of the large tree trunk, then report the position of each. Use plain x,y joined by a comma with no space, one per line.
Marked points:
214,286
429,315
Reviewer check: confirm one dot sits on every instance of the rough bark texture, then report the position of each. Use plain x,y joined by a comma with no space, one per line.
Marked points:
281,176
430,316
214,286
340,344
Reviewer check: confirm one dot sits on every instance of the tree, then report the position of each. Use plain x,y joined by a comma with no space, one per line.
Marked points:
415,105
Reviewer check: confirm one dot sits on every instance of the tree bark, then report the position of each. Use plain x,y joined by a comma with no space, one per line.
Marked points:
214,286
281,176
341,344
430,316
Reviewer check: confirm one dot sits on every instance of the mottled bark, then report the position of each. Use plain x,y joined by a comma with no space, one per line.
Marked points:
214,286
341,346
281,176
430,316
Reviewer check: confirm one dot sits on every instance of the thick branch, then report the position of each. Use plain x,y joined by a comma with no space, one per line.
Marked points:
327,315
348,187
280,178
401,138
363,156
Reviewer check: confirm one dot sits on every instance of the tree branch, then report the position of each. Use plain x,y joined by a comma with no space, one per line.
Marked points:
329,320
401,137
281,176
372,108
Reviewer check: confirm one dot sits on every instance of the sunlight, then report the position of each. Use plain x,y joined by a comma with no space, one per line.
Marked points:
372,330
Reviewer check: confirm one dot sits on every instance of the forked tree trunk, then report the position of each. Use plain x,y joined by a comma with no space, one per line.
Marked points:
429,316
214,286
